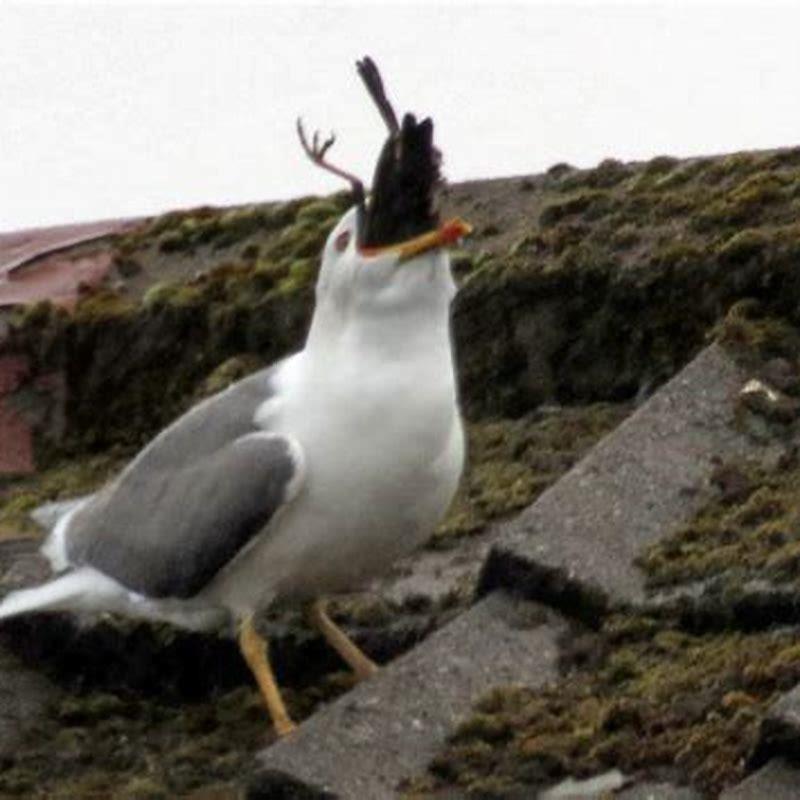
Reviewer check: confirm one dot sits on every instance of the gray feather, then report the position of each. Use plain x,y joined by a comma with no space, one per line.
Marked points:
191,500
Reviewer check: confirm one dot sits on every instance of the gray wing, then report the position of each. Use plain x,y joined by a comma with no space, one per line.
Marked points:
191,500
210,424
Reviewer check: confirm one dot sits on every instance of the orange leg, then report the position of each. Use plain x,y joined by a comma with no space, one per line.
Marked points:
254,650
363,666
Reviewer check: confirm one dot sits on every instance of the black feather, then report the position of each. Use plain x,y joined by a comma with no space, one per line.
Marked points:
402,204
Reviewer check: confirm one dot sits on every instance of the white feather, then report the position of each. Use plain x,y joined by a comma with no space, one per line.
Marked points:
55,548
84,589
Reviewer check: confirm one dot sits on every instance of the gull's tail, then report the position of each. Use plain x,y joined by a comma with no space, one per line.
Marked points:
64,592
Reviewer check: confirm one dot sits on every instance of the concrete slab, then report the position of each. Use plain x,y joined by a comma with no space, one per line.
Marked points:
574,548
778,780
387,729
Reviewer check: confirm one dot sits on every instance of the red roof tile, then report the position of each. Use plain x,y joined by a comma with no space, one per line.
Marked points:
16,440
20,247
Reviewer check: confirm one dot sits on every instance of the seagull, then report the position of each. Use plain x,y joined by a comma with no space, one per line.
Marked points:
312,476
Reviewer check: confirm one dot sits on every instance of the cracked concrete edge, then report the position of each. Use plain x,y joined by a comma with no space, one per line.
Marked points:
574,548
387,729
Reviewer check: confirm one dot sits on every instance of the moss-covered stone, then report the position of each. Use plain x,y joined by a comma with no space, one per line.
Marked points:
510,462
747,202
606,174
754,336
661,165
742,246
651,698
102,306
591,204
139,749
750,528
637,284
602,297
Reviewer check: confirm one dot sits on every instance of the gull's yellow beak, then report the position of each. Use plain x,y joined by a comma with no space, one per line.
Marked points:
444,236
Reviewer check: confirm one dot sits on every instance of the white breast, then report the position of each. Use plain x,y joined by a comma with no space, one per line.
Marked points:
372,402
384,452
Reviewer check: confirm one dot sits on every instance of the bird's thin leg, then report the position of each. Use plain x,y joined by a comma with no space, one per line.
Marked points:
254,650
363,666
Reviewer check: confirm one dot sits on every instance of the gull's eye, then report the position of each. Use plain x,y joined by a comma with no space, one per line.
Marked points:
341,241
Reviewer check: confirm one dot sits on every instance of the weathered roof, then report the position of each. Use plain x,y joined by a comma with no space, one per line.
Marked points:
32,266
20,247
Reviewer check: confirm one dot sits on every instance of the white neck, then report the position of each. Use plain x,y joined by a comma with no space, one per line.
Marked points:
407,330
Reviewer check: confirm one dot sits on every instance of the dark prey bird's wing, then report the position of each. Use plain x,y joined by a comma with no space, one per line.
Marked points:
192,499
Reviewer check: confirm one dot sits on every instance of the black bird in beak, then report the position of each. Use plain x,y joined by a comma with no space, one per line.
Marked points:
400,214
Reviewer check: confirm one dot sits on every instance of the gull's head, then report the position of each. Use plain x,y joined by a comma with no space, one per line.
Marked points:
389,253
384,279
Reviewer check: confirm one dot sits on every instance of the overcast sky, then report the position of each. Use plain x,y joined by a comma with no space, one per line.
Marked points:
114,110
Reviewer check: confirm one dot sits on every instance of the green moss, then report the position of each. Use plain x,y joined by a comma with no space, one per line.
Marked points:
742,246
664,173
169,293
140,749
565,235
681,203
748,529
657,698
745,203
754,336
727,167
625,236
560,169
789,157
104,305
319,211
660,165
621,244
159,294
300,240
64,481
301,274
184,232
126,745
143,789
36,316
591,204
680,254
687,172
250,252
607,174
229,371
